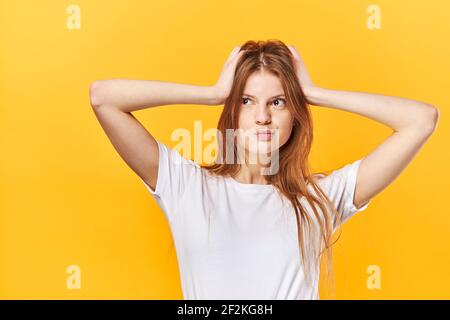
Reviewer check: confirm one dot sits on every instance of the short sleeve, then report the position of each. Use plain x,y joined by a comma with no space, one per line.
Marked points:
175,173
340,186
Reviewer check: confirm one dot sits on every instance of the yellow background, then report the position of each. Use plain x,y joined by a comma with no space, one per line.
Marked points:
67,198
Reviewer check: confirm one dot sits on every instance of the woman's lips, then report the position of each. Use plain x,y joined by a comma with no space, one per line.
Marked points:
264,136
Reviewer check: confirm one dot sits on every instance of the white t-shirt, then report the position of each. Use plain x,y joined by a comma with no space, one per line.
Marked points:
236,240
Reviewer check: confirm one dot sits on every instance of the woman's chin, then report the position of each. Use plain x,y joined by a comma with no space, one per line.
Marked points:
261,148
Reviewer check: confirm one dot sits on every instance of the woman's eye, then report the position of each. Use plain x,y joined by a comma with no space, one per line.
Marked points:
277,102
279,99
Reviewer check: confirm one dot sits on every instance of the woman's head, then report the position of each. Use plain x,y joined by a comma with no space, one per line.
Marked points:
266,94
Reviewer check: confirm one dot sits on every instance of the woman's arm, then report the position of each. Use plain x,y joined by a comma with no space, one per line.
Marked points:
395,112
114,100
412,122
130,95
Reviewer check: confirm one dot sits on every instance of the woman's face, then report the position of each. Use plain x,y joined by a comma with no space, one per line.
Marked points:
263,107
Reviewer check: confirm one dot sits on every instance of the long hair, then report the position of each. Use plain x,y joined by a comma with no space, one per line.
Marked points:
293,175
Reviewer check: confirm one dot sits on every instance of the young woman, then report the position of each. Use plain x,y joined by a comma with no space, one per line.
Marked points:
246,229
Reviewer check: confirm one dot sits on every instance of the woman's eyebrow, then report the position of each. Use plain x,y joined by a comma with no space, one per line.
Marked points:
278,95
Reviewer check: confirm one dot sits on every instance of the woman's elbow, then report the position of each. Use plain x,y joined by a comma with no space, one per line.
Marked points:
434,115
95,93
430,119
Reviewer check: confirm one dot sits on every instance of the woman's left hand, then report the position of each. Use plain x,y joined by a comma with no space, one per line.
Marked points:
302,72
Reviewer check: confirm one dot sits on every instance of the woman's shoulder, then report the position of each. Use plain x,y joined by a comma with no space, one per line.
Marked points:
176,155
317,177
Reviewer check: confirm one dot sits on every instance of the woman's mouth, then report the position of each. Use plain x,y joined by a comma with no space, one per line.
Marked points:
264,135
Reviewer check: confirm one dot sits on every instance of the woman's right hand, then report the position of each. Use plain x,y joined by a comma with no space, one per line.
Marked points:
226,77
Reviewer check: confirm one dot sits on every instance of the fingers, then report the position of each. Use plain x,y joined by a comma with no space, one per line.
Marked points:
239,55
235,53
294,51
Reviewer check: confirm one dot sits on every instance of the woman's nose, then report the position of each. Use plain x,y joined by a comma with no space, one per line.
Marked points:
263,115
